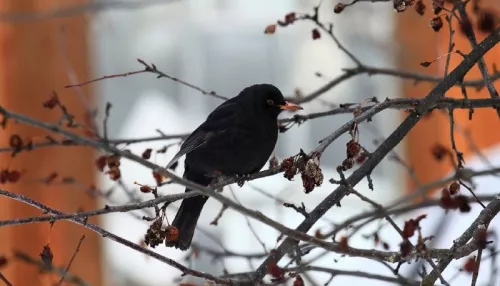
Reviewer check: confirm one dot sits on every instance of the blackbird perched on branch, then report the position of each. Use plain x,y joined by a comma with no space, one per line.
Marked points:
236,139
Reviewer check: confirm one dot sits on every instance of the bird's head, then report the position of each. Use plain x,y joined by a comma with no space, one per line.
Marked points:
268,99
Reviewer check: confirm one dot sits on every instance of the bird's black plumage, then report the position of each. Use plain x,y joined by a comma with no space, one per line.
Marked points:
237,138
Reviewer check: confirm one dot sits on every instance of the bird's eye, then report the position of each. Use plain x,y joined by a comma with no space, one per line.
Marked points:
270,102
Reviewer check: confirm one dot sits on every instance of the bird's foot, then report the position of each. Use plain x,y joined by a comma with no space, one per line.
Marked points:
216,182
217,179
240,179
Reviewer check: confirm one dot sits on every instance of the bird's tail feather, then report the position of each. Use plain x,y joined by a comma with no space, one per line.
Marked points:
185,221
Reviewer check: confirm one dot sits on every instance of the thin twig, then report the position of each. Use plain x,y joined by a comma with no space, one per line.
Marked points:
71,260
5,280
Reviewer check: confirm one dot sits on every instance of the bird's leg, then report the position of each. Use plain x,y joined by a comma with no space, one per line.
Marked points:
217,178
240,179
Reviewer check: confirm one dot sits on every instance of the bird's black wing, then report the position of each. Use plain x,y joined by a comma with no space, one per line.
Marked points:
215,125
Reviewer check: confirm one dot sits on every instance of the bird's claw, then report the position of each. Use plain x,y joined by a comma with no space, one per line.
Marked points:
217,180
240,179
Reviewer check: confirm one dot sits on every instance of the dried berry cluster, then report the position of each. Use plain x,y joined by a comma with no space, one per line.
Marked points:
309,169
412,226
155,235
311,175
113,164
450,200
354,154
288,165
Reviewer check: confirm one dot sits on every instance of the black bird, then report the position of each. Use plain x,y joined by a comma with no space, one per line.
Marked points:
236,139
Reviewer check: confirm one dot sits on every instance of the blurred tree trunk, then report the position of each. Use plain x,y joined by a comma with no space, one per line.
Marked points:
435,129
38,57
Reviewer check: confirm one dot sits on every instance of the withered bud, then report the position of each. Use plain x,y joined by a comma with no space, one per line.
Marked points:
463,203
289,168
439,151
100,163
271,29
344,244
339,8
454,188
154,235
353,148
146,189
420,7
405,248
16,142
436,23
273,162
47,256
480,236
347,164
290,18
315,34
114,174
158,178
470,265
402,5
171,233
486,21
437,6
113,161
146,154
3,261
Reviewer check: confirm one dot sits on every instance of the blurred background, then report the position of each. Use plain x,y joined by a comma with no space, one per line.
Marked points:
219,45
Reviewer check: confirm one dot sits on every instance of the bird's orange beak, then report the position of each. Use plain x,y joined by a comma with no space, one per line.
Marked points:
290,106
